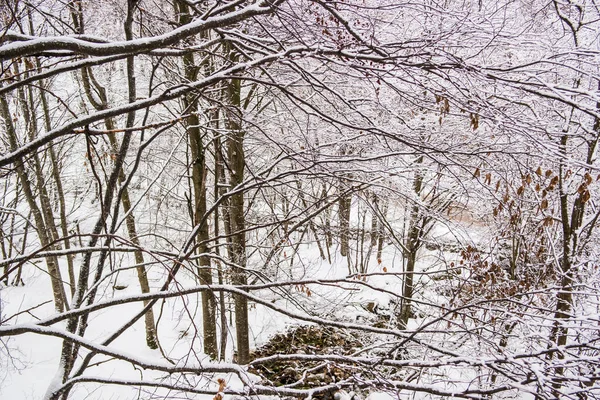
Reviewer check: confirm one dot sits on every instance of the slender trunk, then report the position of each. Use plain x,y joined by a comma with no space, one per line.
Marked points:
285,209
364,264
564,297
151,336
381,233
17,279
327,214
7,241
226,216
571,225
344,204
237,164
63,214
55,171
413,244
407,290
28,109
327,224
190,102
219,173
374,222
4,255
45,240
295,249
204,268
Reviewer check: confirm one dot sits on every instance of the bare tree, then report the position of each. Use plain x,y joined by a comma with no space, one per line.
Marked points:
279,87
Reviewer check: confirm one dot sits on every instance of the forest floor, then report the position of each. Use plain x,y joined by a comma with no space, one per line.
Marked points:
29,362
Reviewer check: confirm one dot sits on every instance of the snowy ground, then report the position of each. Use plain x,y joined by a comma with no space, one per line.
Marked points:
29,362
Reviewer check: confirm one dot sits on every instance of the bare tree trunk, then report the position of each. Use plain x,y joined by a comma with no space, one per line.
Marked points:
413,244
381,233
7,241
62,210
374,220
46,206
237,164
199,183
45,240
571,225
219,175
151,336
4,256
344,205
407,290
17,280
327,225
204,268
55,168
364,263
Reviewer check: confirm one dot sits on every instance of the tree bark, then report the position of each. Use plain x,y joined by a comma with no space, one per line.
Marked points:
374,222
38,216
237,164
344,205
571,225
218,189
413,244
192,122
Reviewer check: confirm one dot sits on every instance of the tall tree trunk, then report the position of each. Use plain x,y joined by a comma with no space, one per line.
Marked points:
363,263
374,221
55,167
199,184
237,164
42,230
413,244
218,190
61,196
17,280
571,225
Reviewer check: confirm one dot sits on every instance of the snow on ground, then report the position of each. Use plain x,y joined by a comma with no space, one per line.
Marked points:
34,359
28,361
